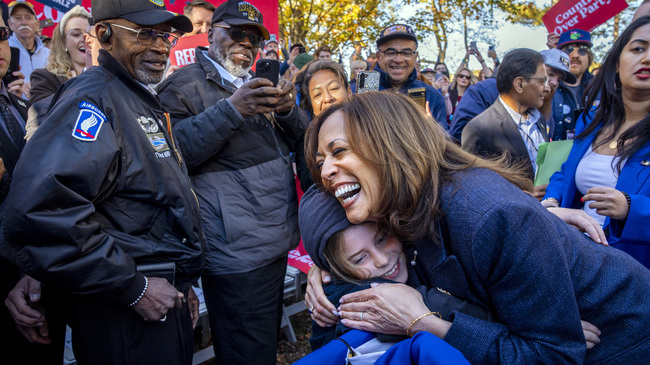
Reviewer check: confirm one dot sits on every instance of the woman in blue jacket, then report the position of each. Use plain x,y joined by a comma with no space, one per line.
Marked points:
607,173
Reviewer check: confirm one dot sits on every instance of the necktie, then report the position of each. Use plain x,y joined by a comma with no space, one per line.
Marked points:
15,130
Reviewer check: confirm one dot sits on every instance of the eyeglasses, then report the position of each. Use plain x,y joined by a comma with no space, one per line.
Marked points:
466,77
544,80
582,50
147,36
4,33
239,35
392,53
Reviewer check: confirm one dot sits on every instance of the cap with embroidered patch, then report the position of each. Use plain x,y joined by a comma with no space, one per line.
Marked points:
237,12
560,61
21,4
141,12
574,36
396,31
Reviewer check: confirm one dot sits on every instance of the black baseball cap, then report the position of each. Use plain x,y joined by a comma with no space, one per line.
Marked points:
141,12
396,31
237,12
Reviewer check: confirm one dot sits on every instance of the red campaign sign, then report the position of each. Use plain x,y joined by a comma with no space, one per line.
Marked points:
183,52
581,14
268,8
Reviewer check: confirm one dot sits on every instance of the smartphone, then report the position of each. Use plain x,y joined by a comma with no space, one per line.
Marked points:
438,76
14,65
491,48
268,69
367,81
302,50
472,45
419,95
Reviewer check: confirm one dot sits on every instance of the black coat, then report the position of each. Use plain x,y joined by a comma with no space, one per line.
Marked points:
85,208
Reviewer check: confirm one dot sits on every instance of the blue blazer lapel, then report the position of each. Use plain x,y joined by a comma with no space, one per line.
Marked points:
441,267
635,172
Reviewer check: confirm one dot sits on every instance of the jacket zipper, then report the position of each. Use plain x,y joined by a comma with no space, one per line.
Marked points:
179,157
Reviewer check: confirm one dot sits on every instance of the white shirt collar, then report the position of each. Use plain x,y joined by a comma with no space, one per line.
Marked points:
533,114
237,81
148,87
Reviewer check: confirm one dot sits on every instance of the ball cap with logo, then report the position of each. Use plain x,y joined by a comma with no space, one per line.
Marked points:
560,61
141,12
21,4
237,12
574,36
396,31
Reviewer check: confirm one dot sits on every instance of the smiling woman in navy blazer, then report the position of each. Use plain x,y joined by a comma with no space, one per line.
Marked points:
608,170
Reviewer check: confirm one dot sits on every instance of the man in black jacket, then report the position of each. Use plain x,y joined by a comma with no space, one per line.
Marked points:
236,134
101,209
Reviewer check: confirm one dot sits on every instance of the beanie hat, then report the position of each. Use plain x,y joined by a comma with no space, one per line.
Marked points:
320,216
301,60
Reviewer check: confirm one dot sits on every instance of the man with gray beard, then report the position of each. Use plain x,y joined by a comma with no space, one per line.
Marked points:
236,134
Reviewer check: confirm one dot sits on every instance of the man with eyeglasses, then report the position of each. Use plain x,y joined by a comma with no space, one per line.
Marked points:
569,99
23,23
397,52
513,124
101,209
236,133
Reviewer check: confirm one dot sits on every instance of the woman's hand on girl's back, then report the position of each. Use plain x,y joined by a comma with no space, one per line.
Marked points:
389,309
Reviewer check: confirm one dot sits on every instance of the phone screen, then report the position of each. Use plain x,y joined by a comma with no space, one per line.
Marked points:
368,81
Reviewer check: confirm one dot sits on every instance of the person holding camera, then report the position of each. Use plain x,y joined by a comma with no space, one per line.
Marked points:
472,50
236,134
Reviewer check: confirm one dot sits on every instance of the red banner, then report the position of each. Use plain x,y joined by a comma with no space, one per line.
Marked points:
268,8
581,14
183,53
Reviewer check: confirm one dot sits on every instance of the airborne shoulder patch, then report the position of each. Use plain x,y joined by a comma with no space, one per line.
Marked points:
89,122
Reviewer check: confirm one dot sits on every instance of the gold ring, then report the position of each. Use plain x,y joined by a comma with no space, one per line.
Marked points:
291,97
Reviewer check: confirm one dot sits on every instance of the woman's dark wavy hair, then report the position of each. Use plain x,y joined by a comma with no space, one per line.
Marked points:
610,112
412,155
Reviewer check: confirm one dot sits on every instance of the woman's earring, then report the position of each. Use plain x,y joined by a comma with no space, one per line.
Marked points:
414,257
66,49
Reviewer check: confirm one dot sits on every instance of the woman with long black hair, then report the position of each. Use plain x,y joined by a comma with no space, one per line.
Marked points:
607,173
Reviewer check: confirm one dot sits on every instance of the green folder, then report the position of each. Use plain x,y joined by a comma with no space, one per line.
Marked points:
550,157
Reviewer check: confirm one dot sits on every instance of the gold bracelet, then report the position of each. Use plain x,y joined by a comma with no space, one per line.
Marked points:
408,331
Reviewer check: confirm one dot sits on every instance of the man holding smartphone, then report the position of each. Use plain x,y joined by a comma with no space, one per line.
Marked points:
236,133
397,51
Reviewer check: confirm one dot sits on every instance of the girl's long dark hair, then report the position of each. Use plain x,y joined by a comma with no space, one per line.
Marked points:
610,112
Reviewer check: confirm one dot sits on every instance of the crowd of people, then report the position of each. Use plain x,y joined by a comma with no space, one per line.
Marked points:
126,181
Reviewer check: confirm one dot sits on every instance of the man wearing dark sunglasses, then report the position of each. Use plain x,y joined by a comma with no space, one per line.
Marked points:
114,230
576,43
236,133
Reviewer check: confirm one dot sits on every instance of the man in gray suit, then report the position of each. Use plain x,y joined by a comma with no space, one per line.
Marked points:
513,124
